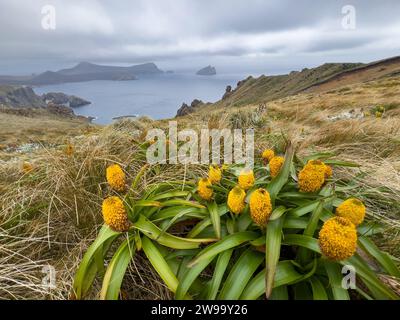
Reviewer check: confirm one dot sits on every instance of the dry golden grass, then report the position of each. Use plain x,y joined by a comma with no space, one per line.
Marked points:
51,214
15,129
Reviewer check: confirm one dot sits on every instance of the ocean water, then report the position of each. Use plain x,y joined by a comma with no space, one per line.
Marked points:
158,97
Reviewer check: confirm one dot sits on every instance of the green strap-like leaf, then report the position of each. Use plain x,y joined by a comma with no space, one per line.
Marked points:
369,276
295,223
170,212
279,181
240,275
116,270
219,271
228,242
285,274
318,289
280,293
303,254
302,241
87,269
335,276
155,233
382,257
303,209
190,276
159,264
215,218
277,213
171,194
181,202
272,251
198,228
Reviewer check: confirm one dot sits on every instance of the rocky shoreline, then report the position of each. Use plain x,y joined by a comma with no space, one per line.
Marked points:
24,101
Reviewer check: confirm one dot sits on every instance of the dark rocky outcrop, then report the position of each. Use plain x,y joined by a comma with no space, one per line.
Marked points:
207,71
64,99
186,109
20,97
227,93
24,101
60,110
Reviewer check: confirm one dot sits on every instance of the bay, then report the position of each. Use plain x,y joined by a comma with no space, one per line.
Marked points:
158,96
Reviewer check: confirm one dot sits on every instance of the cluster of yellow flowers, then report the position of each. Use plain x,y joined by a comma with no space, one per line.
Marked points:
116,178
204,189
260,206
268,154
114,214
246,179
338,235
236,200
214,174
204,185
259,202
275,162
338,238
113,209
312,177
275,165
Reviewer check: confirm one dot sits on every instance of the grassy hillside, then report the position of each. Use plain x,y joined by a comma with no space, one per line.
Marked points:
50,213
38,126
325,77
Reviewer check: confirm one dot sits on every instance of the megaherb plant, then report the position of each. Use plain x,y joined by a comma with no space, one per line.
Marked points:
283,230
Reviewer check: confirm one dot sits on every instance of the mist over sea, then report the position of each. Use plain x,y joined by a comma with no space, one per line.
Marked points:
158,96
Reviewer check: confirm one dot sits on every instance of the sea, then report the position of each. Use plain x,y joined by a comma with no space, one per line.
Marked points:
158,97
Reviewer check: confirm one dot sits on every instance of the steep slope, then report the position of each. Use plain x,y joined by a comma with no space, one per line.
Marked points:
328,76
368,72
267,88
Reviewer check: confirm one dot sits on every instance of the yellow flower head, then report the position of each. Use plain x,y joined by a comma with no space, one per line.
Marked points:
268,154
204,190
116,177
246,179
275,165
27,167
312,176
236,199
378,114
338,238
352,209
114,214
260,206
214,174
69,149
318,164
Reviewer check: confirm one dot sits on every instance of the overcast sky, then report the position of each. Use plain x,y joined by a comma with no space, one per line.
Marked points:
243,36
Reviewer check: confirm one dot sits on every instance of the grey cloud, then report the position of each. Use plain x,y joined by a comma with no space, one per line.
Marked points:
167,30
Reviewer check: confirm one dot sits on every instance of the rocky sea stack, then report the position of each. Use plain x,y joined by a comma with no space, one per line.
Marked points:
207,71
